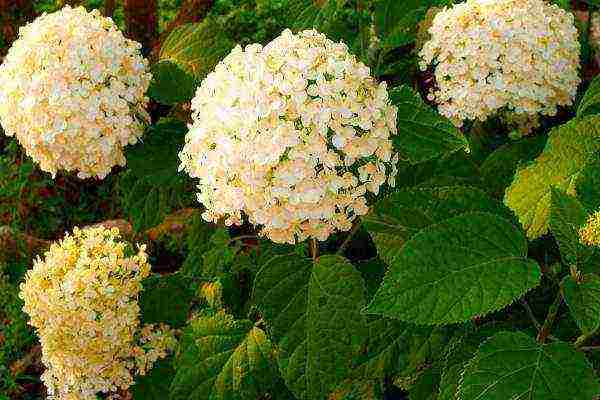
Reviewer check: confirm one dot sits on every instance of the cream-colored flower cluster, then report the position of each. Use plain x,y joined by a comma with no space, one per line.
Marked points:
520,55
72,90
82,300
294,135
589,234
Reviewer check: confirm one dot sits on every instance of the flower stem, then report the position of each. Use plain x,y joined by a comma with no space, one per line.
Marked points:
552,312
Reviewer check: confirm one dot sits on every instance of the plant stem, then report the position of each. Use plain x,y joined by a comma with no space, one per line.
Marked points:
589,348
547,326
314,249
582,339
348,239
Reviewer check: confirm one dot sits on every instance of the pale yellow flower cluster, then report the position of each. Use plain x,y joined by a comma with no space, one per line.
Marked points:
589,234
520,55
82,300
294,135
72,90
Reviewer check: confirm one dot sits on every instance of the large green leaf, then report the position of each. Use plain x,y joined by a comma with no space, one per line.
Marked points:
313,311
151,187
166,299
590,103
394,219
499,168
583,299
222,359
514,366
455,270
423,134
188,54
569,148
567,215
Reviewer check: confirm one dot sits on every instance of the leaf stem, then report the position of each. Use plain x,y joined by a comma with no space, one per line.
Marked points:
314,249
552,312
582,339
348,239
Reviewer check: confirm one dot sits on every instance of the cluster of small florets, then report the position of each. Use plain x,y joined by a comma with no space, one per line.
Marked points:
488,55
589,234
82,300
72,91
294,135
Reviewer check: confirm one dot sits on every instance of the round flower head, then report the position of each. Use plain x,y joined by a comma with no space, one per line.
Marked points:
72,91
294,135
82,299
518,55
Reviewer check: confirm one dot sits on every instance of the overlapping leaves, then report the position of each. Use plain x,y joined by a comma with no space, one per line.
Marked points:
570,147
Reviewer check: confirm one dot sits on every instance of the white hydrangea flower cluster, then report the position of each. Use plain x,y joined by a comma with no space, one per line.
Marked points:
82,299
520,55
294,135
72,90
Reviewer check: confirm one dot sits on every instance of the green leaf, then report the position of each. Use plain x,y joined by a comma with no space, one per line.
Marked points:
156,158
455,270
590,103
156,384
146,204
166,299
223,359
583,299
423,134
568,150
567,215
187,55
171,84
396,21
313,311
499,168
394,219
587,185
514,366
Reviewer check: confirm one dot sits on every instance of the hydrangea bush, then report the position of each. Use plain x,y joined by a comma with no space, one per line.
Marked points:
342,210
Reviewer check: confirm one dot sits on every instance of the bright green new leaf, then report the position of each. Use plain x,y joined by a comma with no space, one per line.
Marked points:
313,312
513,366
590,103
567,215
583,299
394,219
223,359
568,150
423,134
457,269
